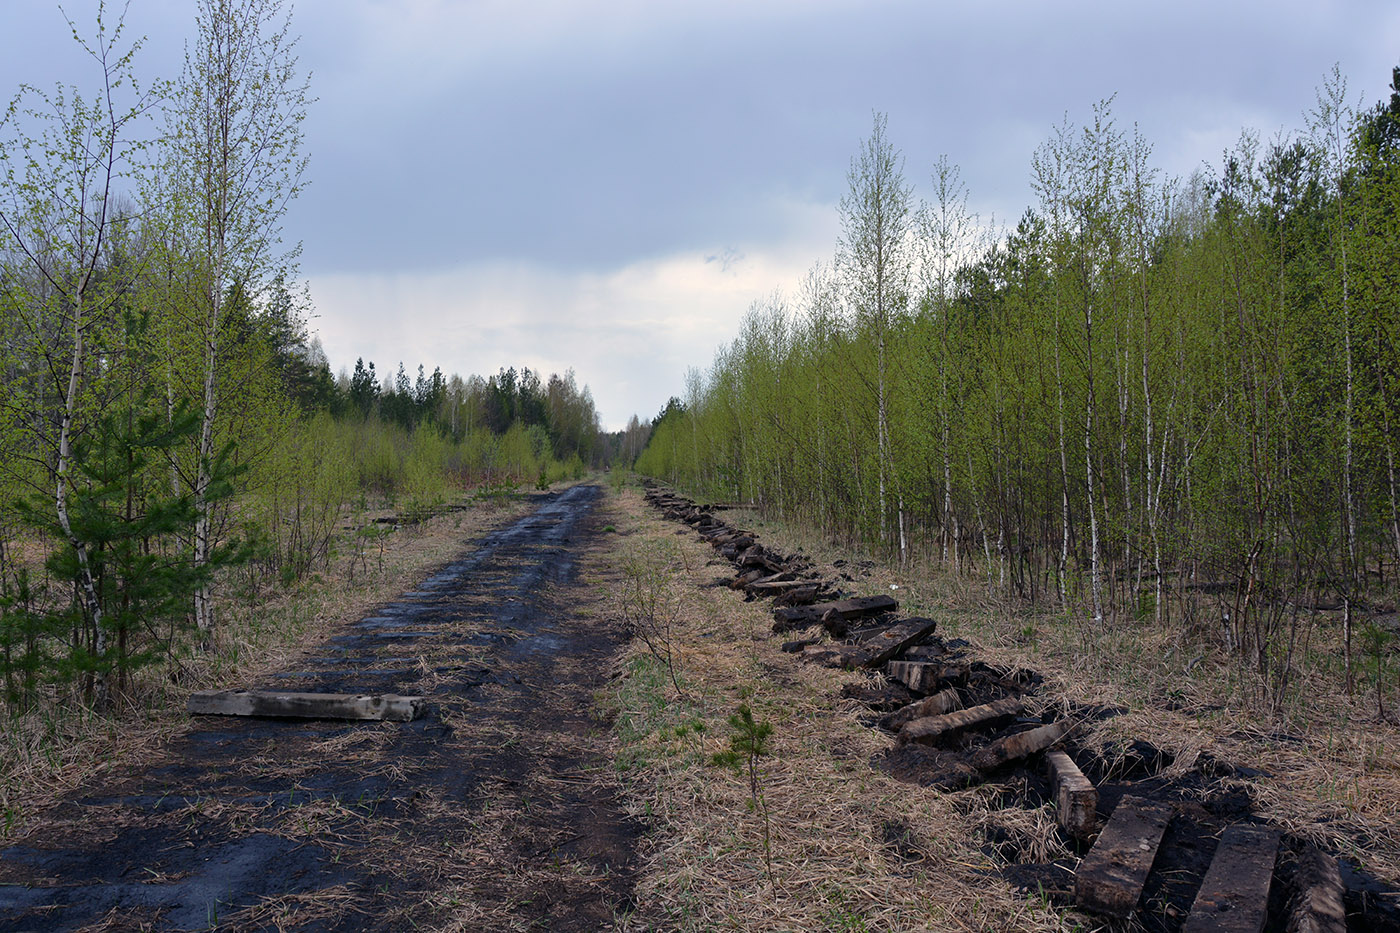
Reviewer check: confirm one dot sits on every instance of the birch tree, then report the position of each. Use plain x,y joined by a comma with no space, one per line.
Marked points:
236,163
946,229
1331,124
875,260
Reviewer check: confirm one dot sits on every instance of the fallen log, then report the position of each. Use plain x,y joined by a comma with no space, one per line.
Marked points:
1318,905
388,706
930,730
1076,800
1234,895
1110,879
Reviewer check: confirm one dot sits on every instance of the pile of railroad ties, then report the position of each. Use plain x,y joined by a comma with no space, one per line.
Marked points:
1174,853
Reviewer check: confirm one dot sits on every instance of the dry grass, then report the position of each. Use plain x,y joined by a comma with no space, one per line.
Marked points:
53,750
852,849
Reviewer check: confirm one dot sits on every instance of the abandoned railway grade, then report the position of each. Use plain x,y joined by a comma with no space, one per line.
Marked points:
499,808
496,809
1178,852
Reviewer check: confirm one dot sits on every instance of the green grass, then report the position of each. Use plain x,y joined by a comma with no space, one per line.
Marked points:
647,719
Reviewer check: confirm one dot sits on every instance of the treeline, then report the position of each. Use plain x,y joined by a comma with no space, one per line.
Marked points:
163,414
559,418
1154,398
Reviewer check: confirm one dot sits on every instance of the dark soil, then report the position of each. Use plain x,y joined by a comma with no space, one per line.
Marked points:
497,808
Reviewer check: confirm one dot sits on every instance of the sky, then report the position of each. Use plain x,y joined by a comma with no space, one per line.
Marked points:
608,186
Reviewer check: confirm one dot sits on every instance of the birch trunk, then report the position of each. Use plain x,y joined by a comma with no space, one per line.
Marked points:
1094,579
1064,471
92,606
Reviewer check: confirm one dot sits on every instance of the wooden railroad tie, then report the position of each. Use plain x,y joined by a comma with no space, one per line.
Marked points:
1234,895
930,730
846,609
1318,905
1011,748
1110,879
1076,800
926,676
875,650
276,703
942,702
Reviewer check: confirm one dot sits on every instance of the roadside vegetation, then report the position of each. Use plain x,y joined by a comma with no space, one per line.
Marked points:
819,836
178,464
755,776
1156,402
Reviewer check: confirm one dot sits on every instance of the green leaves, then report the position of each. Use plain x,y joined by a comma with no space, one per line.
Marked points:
1177,395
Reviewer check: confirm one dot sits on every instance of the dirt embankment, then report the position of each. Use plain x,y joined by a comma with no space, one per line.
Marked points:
496,810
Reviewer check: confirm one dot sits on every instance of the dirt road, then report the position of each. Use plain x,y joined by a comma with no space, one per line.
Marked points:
498,810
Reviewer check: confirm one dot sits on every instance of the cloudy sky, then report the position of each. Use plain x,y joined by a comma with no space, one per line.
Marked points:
607,186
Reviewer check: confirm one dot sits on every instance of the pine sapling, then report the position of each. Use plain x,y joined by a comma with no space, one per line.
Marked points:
749,743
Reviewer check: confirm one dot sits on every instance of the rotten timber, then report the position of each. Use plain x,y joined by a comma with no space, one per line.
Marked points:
793,617
776,586
943,702
1318,905
1234,895
925,676
758,557
930,730
975,768
271,703
1110,879
894,640
801,596
747,578
1015,747
876,650
1076,800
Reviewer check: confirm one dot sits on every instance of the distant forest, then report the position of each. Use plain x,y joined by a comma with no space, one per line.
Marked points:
1154,398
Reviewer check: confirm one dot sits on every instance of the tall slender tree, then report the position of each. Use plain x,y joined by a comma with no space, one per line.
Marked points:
235,146
875,260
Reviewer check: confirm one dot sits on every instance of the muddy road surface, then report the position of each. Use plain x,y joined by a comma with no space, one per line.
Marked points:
497,810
